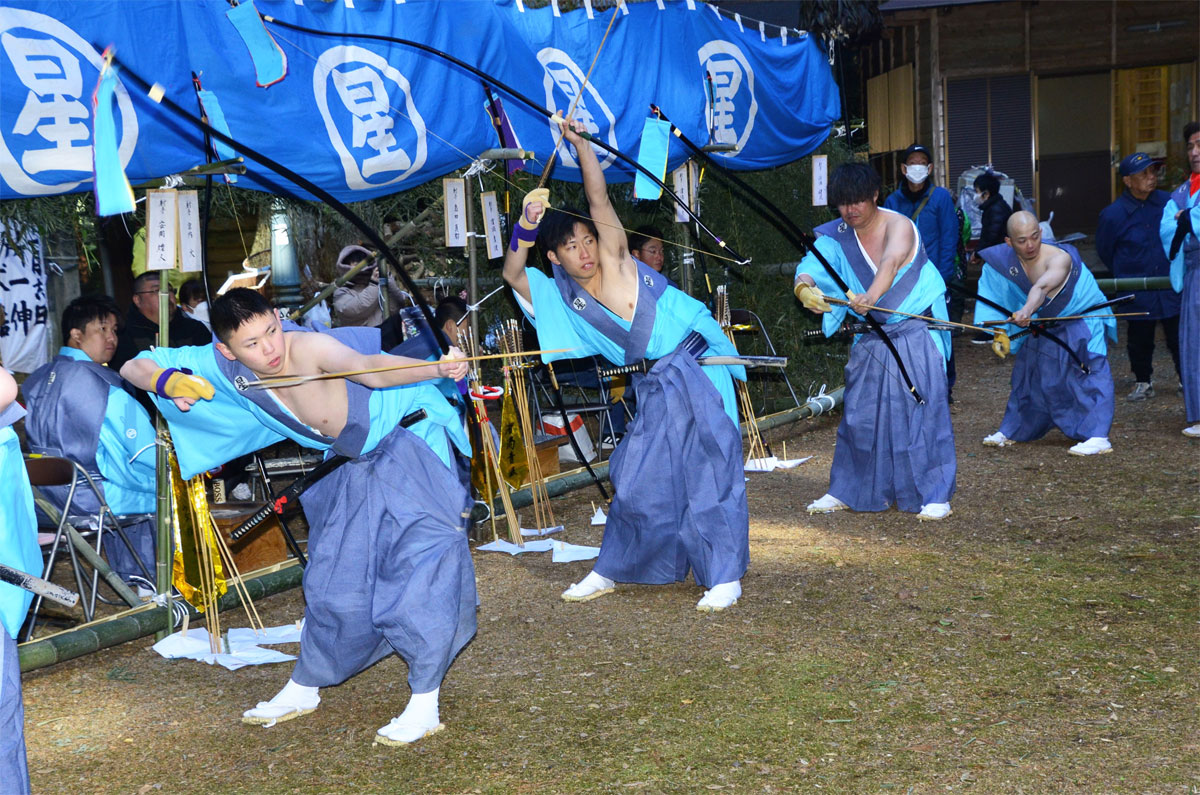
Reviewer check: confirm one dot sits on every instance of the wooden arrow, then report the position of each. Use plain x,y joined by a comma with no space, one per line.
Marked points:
278,382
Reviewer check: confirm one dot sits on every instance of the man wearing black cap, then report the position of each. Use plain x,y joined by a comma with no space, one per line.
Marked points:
1128,243
932,209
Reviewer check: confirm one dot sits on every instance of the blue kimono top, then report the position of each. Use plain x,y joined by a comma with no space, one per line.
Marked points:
566,316
917,289
18,526
80,409
1004,281
1188,257
238,421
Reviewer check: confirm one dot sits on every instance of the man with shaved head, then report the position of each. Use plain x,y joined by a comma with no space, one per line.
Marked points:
1060,375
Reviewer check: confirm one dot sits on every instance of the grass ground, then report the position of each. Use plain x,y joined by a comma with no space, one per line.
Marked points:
1043,639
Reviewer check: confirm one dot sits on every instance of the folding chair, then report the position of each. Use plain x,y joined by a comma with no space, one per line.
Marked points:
576,378
58,484
744,317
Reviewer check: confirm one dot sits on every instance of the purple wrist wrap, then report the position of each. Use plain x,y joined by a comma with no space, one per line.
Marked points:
522,235
161,384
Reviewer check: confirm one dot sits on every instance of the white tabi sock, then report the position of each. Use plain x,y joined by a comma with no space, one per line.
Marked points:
720,597
588,588
419,719
291,702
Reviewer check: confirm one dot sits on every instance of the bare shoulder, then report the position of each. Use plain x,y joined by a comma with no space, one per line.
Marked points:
308,346
900,229
1056,257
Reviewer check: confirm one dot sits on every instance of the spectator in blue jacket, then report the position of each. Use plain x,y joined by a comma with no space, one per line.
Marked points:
1128,243
932,209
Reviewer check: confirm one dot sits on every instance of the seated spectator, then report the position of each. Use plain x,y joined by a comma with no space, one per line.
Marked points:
79,409
140,331
194,301
646,243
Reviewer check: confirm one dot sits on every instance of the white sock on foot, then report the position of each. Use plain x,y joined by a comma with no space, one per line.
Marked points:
1097,445
720,597
589,587
827,504
291,702
934,511
418,719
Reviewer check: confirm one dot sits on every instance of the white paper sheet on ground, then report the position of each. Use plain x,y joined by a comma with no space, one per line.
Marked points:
240,637
195,646
567,553
772,463
527,532
500,545
598,518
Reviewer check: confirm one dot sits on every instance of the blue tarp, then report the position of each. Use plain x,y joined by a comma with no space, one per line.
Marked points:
368,118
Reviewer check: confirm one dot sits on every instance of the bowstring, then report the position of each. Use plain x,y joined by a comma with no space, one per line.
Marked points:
504,178
562,132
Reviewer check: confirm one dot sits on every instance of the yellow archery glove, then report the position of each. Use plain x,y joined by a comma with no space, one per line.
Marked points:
527,234
1001,344
811,297
176,383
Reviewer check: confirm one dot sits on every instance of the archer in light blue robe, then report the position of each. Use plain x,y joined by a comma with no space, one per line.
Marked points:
389,567
679,491
890,449
18,549
79,409
1185,279
1049,389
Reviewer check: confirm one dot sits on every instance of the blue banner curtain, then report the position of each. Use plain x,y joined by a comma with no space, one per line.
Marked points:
366,118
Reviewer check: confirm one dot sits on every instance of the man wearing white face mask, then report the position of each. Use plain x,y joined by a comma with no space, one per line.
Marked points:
932,209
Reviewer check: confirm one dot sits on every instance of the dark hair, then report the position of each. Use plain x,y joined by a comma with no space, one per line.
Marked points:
1190,129
139,283
643,235
558,224
238,306
851,183
450,308
84,310
190,291
989,182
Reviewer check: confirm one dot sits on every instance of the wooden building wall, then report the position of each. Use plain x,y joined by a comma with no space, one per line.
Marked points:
1045,38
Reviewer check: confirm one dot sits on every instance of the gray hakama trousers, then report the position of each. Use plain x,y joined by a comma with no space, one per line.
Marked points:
890,449
389,567
679,490
1189,343
1049,390
14,772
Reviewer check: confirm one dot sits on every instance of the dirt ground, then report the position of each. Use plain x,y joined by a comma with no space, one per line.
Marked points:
1043,639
